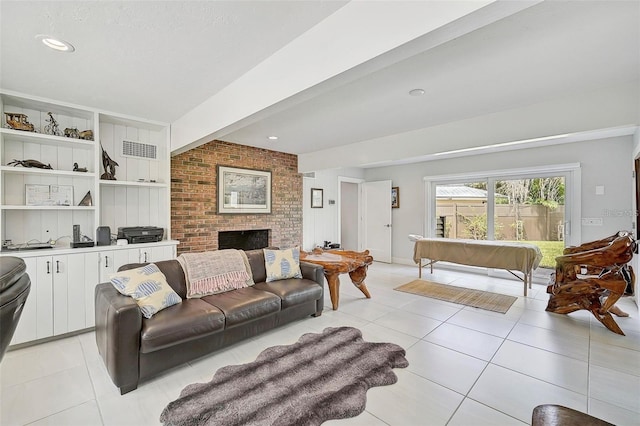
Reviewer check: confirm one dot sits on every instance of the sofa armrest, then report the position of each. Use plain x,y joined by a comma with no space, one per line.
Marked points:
118,328
312,272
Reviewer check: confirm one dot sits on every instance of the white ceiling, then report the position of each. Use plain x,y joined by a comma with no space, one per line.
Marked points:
160,60
150,59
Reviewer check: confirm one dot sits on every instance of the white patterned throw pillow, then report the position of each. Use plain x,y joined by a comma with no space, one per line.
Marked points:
148,287
282,264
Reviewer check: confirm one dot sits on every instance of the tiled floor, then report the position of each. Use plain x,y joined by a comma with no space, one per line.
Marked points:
466,366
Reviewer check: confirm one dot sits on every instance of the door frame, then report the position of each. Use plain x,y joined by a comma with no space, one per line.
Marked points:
359,182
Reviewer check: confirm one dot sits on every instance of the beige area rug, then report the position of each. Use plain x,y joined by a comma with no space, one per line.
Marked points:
464,296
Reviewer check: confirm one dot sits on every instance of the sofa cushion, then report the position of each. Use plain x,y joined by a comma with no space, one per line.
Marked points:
171,269
256,261
282,264
244,304
189,320
292,291
148,286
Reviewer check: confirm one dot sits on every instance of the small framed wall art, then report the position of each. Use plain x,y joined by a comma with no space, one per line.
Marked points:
316,198
395,197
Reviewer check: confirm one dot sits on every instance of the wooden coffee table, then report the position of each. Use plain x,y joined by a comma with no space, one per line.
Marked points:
336,262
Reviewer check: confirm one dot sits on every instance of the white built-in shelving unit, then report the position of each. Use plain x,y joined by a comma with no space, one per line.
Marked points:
63,279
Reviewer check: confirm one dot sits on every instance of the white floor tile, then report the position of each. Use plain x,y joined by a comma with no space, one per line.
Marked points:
615,357
616,388
446,367
563,323
138,408
473,413
408,323
39,398
485,323
613,414
413,400
630,340
517,395
34,362
364,419
431,308
86,414
551,340
556,369
530,303
366,309
465,340
377,333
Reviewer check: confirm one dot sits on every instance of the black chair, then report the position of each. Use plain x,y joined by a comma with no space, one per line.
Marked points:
14,289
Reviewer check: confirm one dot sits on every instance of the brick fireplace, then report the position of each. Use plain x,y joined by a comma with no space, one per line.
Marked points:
194,218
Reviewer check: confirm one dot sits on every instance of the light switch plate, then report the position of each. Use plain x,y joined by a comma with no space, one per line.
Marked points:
592,221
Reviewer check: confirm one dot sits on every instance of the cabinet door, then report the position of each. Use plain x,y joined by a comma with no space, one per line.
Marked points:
111,260
44,297
91,279
27,328
81,273
60,272
156,254
106,265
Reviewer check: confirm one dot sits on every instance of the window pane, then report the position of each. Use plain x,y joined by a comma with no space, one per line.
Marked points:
532,210
461,211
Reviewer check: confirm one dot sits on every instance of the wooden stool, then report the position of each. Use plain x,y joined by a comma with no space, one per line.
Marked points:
557,415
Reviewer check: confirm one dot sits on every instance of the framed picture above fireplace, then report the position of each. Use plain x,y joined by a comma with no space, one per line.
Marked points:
243,190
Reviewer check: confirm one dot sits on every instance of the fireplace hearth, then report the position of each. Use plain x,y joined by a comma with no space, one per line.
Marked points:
247,239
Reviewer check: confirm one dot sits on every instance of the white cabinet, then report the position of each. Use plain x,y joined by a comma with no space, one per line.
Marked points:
63,279
58,302
27,328
111,259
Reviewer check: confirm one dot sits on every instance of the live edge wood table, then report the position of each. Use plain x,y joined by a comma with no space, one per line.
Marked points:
336,262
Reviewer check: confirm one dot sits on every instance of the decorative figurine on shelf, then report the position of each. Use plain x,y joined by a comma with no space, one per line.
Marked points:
78,169
86,200
30,163
72,132
52,128
18,121
109,166
86,135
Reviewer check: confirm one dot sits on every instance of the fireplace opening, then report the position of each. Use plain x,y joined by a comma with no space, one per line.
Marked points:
248,239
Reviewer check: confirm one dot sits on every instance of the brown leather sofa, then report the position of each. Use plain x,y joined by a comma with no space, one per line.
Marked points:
135,348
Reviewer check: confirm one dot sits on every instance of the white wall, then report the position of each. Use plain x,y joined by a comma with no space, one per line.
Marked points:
603,162
349,216
321,225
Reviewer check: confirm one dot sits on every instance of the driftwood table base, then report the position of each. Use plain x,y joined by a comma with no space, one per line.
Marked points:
606,260
336,262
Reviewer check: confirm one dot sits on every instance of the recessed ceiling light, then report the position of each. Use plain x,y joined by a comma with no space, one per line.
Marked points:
416,92
56,43
273,138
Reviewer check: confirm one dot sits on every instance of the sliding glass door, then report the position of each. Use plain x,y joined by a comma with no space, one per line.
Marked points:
532,205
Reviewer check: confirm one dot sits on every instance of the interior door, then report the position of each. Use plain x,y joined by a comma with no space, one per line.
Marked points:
377,219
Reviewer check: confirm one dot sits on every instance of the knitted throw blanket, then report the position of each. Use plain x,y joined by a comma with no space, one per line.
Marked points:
215,272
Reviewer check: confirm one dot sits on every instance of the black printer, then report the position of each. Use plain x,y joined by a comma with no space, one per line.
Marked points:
141,234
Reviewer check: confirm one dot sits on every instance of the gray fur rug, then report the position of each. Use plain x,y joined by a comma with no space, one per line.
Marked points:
322,376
